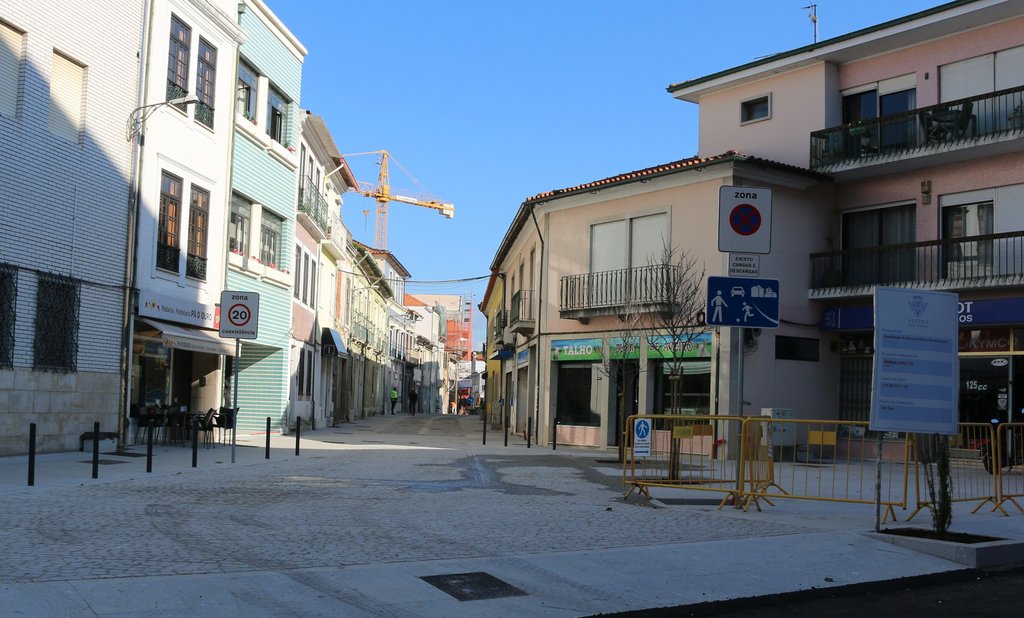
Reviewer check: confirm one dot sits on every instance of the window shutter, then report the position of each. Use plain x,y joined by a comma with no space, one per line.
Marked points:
966,78
67,81
10,64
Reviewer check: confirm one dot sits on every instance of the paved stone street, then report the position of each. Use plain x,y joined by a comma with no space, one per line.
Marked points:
368,508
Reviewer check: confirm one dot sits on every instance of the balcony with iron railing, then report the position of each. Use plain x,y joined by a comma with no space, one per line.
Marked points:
988,261
994,120
167,257
522,316
313,210
612,292
497,323
195,267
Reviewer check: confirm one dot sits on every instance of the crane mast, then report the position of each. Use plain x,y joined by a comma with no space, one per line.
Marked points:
382,194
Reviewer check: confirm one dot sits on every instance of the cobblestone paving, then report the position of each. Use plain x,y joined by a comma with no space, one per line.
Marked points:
445,500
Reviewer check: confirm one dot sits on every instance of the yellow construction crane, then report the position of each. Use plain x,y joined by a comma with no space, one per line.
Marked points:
382,193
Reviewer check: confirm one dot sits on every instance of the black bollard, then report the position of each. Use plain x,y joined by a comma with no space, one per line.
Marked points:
96,450
31,454
149,446
484,415
195,442
506,429
529,431
298,429
267,455
554,436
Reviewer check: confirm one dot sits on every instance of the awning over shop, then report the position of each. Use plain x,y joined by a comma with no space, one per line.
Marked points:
502,354
332,343
191,339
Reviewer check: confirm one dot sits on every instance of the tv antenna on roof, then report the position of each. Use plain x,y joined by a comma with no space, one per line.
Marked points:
813,17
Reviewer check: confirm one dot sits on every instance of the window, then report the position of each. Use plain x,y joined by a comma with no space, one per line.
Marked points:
8,298
305,279
10,69
693,391
796,348
870,229
296,288
969,257
276,115
312,283
572,399
206,82
177,63
271,232
627,243
309,373
56,337
753,110
167,251
238,225
67,91
198,230
247,88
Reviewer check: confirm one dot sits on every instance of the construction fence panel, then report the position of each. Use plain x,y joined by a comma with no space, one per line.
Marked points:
970,457
826,460
1007,463
686,452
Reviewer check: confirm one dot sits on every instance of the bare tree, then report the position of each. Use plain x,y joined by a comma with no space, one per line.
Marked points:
676,316
674,322
620,363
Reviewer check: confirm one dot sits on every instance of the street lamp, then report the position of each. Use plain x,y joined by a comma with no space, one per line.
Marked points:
139,115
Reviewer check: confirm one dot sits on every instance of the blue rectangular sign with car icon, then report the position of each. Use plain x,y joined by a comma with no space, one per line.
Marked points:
743,302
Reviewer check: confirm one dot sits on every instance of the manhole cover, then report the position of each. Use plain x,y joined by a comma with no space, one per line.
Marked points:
473,586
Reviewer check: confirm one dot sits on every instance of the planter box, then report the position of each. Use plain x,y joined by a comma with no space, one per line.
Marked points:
974,555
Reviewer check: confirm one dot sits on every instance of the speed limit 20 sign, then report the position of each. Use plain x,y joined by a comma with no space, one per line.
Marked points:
239,314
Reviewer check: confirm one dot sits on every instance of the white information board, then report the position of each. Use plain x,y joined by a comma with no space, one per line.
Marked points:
916,380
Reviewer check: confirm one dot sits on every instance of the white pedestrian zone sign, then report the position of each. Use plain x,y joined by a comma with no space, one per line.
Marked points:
642,437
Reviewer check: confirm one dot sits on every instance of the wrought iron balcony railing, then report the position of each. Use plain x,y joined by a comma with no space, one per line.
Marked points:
167,257
195,267
174,91
313,204
972,261
522,312
204,114
933,128
607,292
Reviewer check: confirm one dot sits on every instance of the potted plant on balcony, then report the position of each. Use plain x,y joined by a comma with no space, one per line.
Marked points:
1016,117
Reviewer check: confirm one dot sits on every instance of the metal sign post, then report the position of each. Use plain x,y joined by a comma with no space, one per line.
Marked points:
240,313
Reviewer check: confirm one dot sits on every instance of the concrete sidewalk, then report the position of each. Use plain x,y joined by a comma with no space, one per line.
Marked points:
353,524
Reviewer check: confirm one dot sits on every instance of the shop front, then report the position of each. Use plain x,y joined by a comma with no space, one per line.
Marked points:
577,394
176,356
991,359
679,374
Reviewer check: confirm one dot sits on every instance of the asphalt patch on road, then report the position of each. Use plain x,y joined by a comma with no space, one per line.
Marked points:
968,592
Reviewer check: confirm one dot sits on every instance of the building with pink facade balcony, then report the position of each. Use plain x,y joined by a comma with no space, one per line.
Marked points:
920,123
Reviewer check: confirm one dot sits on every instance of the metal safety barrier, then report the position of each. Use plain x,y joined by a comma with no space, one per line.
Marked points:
830,461
971,475
687,452
1007,463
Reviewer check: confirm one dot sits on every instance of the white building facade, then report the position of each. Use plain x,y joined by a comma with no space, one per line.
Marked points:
65,170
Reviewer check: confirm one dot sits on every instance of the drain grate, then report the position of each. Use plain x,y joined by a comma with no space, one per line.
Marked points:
124,454
103,462
473,586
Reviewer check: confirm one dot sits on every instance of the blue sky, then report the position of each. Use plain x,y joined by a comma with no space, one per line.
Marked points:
488,103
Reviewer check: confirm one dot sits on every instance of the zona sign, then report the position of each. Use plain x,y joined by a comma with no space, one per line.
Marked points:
744,219
241,320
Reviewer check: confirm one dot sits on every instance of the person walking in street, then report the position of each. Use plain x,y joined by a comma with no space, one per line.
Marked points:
394,398
413,397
